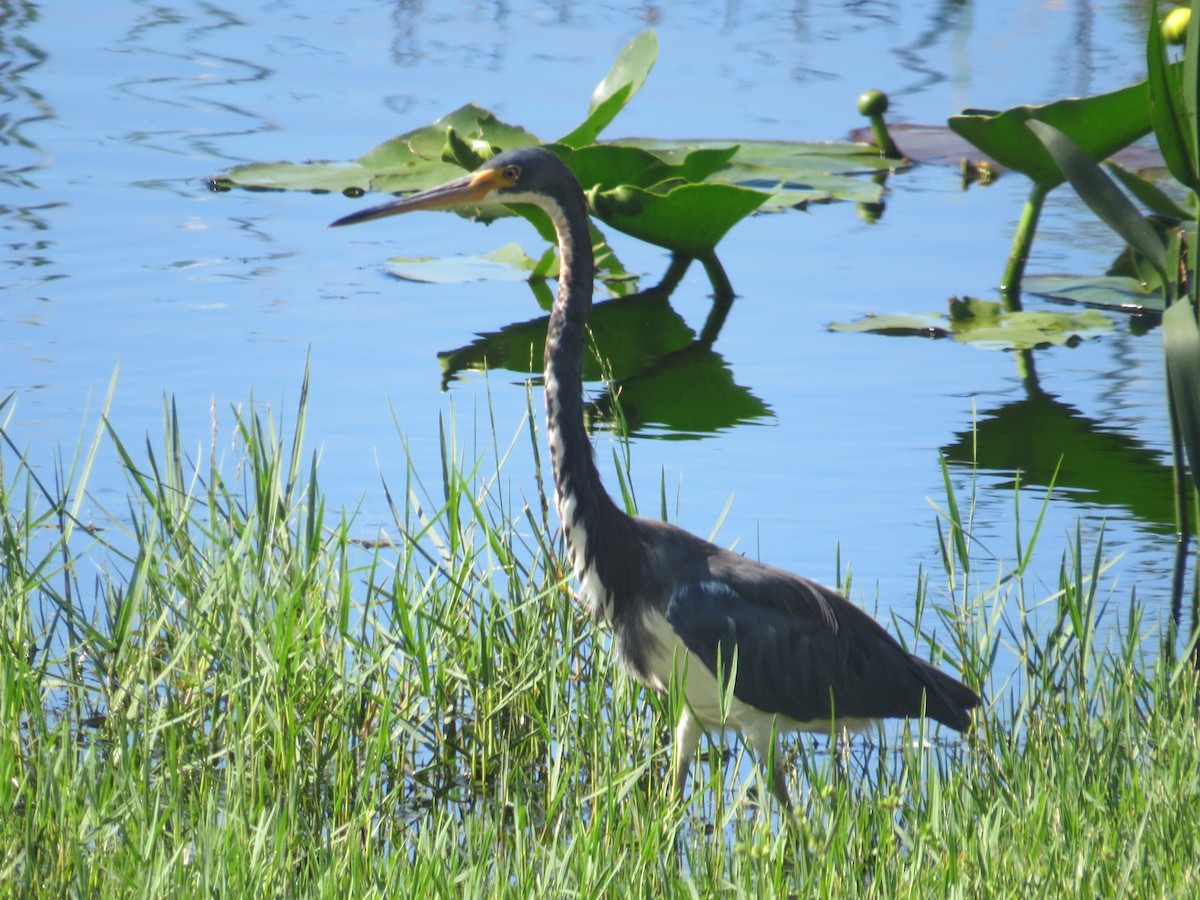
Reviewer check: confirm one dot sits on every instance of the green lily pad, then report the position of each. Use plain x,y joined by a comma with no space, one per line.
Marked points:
608,166
689,219
508,263
408,162
1110,291
1101,125
682,195
796,171
986,325
318,177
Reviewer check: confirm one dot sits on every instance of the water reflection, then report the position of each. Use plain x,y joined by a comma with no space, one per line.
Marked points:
22,106
185,74
1049,442
664,380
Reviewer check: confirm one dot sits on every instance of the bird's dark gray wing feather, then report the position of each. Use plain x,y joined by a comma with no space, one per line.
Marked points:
807,653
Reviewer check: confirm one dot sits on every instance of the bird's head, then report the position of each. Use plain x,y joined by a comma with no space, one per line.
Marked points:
525,175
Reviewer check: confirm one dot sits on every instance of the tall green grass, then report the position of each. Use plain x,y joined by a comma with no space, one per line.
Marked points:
227,690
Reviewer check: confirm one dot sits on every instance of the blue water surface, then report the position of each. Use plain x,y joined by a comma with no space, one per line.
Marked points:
118,259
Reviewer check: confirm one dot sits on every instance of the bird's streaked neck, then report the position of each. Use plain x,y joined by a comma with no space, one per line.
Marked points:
588,514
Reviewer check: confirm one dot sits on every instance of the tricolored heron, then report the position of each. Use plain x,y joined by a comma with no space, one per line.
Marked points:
800,656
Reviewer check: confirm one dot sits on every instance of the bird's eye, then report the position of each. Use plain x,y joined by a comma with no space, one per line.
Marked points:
512,173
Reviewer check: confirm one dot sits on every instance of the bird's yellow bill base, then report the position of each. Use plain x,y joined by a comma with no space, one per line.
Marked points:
472,189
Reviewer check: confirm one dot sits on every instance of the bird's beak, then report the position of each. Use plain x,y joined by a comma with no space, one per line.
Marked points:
462,192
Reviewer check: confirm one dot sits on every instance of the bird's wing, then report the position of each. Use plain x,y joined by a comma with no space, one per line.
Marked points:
801,650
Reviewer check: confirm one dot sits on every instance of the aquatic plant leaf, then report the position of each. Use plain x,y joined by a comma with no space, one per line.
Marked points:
408,162
607,166
507,263
1111,291
1148,193
1100,125
689,219
422,145
317,177
624,79
1173,121
1181,344
798,171
1101,195
985,324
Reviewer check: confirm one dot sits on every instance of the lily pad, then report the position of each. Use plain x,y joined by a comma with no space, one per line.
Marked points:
507,263
796,171
1101,125
682,195
689,219
985,324
408,162
1109,291
608,166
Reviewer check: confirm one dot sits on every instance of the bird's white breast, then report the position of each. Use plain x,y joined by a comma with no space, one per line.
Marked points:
670,657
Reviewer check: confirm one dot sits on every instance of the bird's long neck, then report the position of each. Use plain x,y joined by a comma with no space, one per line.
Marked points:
603,556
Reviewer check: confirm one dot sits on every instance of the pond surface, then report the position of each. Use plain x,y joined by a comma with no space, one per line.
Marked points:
116,255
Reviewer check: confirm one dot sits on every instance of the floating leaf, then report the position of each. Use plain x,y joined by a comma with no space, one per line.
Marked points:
985,324
508,263
317,177
689,219
409,162
423,145
607,166
796,171
1100,125
1110,291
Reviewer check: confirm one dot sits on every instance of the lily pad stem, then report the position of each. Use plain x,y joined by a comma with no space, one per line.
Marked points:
1010,286
716,275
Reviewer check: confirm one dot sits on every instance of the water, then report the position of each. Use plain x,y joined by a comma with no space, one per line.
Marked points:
117,256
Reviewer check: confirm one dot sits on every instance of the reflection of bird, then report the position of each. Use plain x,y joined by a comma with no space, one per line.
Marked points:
798,654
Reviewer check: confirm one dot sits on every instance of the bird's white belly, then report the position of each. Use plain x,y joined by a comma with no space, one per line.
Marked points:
671,657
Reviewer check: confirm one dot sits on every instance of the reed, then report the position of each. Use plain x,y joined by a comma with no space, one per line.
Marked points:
226,690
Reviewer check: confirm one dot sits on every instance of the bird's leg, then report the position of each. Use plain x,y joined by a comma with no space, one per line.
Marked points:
687,739
841,754
777,778
765,743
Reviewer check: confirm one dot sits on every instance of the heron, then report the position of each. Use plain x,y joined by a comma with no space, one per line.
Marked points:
798,655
